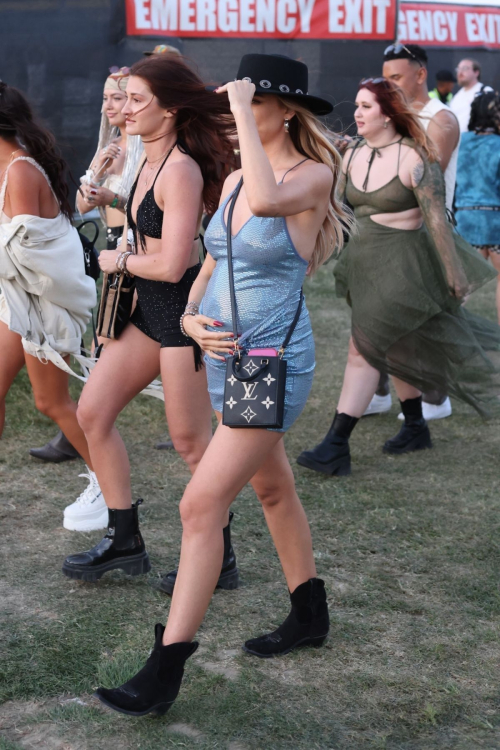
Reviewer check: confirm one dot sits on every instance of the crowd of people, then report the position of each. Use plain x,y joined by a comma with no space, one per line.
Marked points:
283,194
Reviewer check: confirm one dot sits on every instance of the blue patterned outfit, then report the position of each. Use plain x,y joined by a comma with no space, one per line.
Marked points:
478,189
268,277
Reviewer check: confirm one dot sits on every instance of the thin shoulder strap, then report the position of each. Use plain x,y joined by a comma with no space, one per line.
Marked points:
291,168
162,165
399,154
353,151
34,163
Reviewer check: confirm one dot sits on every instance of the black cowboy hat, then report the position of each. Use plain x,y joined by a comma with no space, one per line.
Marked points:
281,76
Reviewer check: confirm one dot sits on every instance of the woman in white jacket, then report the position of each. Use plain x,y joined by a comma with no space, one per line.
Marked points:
46,299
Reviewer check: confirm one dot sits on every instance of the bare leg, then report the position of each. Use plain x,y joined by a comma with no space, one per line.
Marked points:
230,461
274,485
126,366
360,383
12,362
405,390
187,404
51,391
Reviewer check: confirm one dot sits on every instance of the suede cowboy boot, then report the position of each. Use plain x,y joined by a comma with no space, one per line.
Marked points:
56,451
306,625
229,576
122,547
332,455
156,686
414,435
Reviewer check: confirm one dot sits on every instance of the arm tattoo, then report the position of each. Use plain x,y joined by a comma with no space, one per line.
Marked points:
418,172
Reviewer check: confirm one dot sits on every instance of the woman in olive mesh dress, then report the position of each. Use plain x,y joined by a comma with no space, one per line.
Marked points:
405,275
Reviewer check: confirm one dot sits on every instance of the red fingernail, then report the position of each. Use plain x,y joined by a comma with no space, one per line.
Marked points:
218,323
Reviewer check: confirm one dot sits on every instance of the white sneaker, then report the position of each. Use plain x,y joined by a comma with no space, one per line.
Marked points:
432,411
379,405
89,512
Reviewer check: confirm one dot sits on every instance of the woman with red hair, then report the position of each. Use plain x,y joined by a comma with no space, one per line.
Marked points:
405,275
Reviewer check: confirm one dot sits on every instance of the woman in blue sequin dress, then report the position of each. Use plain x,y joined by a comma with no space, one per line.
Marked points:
287,219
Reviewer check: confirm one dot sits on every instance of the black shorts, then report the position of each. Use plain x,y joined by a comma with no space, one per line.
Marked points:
160,305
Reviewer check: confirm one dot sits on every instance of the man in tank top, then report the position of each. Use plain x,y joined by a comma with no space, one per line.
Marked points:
406,66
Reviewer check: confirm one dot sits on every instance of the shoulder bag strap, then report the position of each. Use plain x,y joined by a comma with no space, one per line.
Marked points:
230,260
231,277
294,323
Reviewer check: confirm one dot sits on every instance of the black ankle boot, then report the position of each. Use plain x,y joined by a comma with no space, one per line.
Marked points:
229,576
414,435
156,686
306,625
332,455
122,547
56,451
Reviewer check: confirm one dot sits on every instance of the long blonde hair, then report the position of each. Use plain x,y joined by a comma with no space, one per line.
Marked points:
313,139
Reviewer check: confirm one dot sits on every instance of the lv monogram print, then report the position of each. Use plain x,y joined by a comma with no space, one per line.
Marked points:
254,402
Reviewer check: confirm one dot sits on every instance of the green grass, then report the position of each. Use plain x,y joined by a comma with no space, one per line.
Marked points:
409,548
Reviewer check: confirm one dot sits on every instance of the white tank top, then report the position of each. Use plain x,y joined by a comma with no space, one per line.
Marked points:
432,107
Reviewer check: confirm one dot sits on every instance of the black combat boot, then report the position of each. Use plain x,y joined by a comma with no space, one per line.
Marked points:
332,455
56,450
122,547
306,625
414,435
229,576
156,686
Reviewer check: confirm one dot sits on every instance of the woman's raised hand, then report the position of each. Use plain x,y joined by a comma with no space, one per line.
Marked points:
209,342
105,158
240,94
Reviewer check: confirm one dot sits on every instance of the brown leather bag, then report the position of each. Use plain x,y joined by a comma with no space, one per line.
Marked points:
116,303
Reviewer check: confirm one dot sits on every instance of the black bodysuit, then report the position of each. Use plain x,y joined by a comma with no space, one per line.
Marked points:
160,304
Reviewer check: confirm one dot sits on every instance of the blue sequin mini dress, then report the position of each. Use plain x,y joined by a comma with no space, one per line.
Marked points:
268,277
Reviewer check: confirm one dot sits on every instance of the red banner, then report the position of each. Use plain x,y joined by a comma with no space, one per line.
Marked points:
430,24
277,19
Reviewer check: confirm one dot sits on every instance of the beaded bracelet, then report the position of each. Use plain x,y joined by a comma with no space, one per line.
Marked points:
126,256
186,312
193,306
119,260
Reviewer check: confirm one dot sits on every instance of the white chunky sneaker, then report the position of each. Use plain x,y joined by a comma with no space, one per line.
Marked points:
89,512
379,405
433,411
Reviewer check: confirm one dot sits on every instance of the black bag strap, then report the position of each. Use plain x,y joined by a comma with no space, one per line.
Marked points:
84,224
231,279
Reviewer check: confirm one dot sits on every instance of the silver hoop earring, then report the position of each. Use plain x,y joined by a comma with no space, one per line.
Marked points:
287,126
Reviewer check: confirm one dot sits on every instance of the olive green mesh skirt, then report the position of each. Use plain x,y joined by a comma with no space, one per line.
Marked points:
406,322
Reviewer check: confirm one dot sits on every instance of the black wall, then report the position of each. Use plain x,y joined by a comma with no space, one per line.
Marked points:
58,52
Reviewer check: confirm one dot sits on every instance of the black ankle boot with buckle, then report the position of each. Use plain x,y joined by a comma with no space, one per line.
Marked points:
414,435
156,686
122,547
229,576
332,456
306,625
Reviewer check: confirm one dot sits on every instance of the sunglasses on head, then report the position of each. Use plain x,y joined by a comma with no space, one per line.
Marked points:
397,48
123,71
366,81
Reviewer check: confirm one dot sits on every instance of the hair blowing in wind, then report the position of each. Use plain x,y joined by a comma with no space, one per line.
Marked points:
204,124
